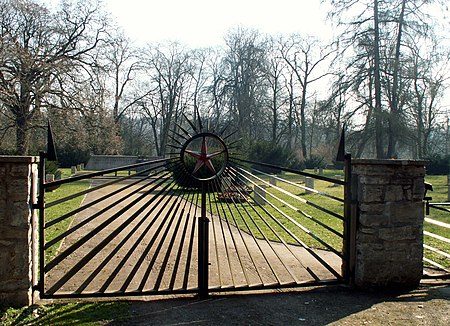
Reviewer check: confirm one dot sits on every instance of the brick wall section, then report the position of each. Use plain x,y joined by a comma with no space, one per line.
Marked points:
16,219
389,231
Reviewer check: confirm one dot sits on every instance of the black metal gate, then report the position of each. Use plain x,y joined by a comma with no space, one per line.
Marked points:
150,228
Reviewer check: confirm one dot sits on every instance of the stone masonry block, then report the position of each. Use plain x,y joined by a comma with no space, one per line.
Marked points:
418,189
370,236
369,194
398,233
393,193
407,193
19,171
369,248
405,213
374,180
371,220
6,268
372,208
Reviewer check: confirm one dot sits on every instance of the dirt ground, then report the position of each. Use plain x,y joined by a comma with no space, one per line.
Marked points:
427,305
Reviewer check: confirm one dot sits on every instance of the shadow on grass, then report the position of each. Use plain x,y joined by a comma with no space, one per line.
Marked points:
80,313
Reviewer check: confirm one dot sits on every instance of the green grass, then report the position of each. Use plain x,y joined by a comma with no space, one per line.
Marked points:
78,313
439,194
58,210
269,221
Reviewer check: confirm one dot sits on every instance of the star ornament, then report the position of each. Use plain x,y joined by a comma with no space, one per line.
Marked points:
203,157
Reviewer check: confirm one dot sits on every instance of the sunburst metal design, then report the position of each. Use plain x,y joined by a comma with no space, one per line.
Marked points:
209,153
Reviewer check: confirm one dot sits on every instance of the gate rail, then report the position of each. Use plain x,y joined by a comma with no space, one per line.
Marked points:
142,172
349,224
437,245
175,213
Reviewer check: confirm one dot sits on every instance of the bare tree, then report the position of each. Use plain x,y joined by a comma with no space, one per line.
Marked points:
429,78
384,30
122,65
277,98
169,69
37,48
304,57
245,71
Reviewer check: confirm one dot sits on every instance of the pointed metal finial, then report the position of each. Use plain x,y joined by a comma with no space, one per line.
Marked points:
51,150
340,157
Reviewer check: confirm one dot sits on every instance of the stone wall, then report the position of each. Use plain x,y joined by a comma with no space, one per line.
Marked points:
18,176
104,162
389,229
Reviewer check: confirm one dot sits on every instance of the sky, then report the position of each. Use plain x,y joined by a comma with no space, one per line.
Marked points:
203,23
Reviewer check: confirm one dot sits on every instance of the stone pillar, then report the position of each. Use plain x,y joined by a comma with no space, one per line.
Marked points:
389,228
18,184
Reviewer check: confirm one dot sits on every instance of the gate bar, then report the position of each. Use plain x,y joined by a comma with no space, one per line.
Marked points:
350,220
304,245
203,247
41,206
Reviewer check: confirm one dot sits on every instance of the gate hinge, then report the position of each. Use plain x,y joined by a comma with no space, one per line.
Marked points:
35,206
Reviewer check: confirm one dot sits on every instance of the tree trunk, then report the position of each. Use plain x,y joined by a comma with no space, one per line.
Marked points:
303,119
393,118
377,113
366,131
291,114
275,115
22,135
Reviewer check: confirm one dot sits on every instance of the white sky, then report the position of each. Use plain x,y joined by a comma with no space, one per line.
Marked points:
202,23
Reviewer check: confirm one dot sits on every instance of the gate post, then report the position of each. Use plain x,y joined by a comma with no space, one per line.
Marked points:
389,230
18,176
350,216
203,247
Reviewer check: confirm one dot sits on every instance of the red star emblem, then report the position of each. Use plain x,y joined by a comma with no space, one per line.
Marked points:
203,157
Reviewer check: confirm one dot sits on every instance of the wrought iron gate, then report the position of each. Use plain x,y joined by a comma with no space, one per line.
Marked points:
203,221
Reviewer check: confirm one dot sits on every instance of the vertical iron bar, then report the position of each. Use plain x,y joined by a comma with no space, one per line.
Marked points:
203,247
223,220
191,244
41,205
215,243
175,271
350,222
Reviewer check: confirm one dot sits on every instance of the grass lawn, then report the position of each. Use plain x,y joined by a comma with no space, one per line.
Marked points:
58,210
